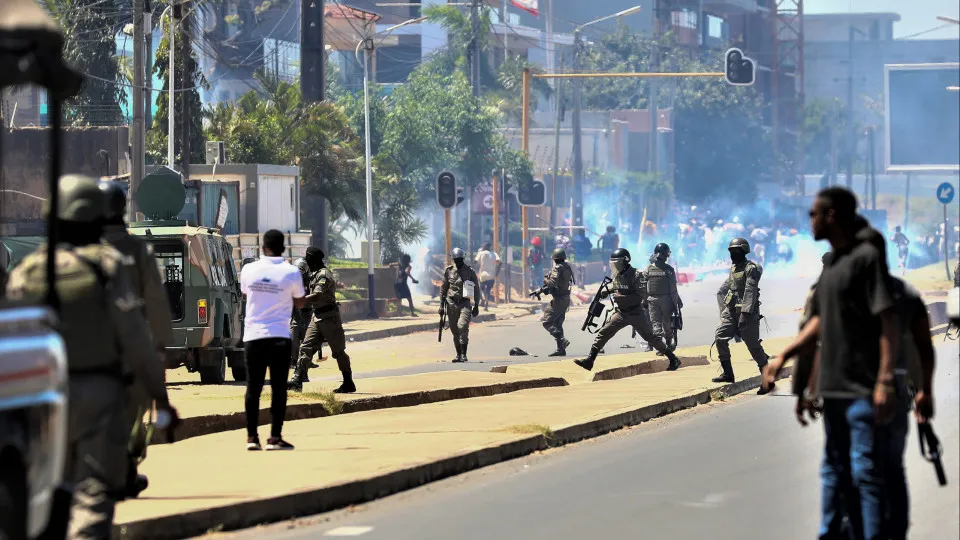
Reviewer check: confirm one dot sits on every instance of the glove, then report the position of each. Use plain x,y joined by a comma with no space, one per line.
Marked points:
679,304
440,311
168,420
476,310
604,294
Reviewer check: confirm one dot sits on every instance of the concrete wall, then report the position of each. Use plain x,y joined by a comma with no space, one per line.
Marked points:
26,159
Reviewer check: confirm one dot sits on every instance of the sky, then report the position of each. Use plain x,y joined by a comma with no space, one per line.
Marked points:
916,16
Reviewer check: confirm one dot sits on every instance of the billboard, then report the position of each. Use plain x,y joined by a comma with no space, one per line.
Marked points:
922,113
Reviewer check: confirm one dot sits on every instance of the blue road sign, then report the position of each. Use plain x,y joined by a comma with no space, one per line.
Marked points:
945,193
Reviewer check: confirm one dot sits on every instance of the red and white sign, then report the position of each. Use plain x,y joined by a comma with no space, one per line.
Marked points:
530,6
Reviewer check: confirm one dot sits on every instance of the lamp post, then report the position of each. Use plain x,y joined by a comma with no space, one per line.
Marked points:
575,120
368,47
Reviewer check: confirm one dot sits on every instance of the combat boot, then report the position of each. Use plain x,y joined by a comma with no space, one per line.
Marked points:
674,361
347,387
459,353
463,355
587,363
727,375
561,347
649,348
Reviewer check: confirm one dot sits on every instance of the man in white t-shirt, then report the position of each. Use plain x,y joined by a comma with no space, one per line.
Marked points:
272,287
488,266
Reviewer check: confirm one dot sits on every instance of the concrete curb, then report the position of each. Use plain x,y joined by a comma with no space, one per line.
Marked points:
371,335
197,426
311,502
646,367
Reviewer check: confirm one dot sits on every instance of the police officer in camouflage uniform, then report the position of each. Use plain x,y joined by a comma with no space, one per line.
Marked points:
325,325
739,302
663,299
629,297
557,284
455,298
300,318
144,277
109,350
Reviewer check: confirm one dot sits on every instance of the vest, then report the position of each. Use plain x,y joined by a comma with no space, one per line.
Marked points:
658,279
629,290
738,283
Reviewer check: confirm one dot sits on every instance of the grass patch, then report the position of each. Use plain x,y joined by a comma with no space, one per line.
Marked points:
328,400
348,295
718,395
346,263
533,429
932,277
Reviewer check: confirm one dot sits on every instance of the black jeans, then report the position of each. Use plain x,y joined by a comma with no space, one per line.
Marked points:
261,354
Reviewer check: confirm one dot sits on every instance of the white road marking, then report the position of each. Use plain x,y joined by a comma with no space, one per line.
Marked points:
712,500
348,531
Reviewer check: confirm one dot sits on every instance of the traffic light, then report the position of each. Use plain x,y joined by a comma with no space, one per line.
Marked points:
741,71
448,194
531,192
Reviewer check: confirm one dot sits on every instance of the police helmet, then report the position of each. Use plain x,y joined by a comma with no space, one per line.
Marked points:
662,249
457,253
741,244
81,200
620,253
115,200
559,255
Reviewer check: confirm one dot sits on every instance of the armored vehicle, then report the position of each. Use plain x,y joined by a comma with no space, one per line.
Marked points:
200,278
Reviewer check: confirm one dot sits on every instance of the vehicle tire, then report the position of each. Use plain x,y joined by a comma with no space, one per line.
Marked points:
12,512
215,373
238,364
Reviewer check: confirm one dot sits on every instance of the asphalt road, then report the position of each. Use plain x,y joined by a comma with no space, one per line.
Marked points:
741,470
491,342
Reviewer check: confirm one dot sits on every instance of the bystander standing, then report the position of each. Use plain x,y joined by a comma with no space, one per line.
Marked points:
488,264
272,288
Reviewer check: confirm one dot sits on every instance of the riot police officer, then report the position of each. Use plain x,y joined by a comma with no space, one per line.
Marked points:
629,296
300,318
103,328
325,324
739,302
663,299
557,284
460,287
144,277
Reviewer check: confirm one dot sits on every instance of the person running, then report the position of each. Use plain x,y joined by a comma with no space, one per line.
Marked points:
488,264
903,248
405,272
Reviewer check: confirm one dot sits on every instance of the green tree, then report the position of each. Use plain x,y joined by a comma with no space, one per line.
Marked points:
721,146
187,98
90,28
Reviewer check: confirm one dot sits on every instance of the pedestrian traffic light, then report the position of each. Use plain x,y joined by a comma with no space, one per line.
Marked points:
740,70
447,191
530,192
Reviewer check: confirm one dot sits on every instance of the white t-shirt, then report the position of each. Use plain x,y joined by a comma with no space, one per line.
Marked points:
487,262
270,285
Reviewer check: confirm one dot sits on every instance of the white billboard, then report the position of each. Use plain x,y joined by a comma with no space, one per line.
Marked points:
922,113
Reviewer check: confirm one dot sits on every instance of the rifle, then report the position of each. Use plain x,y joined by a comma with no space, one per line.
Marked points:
596,308
539,293
677,320
929,440
443,320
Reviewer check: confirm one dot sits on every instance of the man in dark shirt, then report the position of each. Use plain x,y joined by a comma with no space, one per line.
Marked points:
854,315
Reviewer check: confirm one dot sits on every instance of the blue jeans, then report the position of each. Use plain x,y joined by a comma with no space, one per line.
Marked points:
852,472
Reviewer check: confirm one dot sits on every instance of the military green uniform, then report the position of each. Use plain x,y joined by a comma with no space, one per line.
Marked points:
804,363
325,325
629,297
558,283
144,278
459,309
663,298
300,318
740,294
104,331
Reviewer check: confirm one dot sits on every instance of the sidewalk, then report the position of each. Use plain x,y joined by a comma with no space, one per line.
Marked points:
212,482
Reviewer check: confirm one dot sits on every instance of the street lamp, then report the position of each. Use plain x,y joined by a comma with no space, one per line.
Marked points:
369,45
577,132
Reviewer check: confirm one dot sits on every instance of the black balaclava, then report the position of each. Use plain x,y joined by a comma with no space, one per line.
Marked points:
737,256
458,263
314,257
80,233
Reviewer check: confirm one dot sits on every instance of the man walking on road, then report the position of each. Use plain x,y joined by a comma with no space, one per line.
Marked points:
663,299
325,325
855,317
558,284
460,288
272,287
739,302
629,296
488,263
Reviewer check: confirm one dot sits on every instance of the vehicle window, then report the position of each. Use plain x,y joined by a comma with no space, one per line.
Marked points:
216,269
229,269
169,256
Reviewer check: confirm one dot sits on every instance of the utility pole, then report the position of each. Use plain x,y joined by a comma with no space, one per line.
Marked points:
137,133
186,55
473,177
577,134
313,89
653,165
148,65
556,151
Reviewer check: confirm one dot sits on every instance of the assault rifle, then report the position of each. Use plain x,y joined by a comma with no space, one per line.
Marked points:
930,449
443,320
677,319
597,308
540,292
